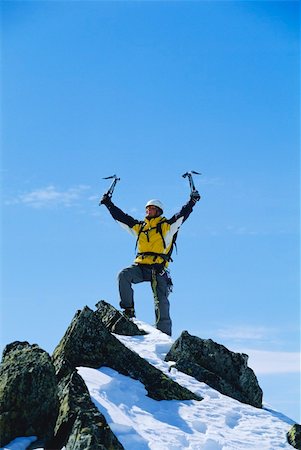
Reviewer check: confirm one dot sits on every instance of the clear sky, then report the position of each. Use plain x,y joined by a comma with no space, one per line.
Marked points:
149,90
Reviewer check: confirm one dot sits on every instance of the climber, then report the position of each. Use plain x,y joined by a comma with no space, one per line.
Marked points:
155,238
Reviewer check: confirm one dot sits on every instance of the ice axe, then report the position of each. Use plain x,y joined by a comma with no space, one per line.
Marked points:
110,191
191,183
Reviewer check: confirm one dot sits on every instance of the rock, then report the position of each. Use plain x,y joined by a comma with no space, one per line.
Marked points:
115,321
79,424
28,393
216,366
87,342
294,436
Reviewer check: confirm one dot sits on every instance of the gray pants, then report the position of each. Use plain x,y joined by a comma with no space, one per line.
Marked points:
138,273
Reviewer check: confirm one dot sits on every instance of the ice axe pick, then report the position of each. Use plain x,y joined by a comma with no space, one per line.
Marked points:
110,191
189,175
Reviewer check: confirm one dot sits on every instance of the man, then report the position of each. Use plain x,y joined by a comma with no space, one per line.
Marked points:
155,238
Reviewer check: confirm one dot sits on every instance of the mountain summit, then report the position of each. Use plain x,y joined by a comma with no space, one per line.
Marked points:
114,383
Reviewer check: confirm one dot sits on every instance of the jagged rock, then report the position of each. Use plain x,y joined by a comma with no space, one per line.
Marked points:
87,342
28,393
216,366
294,436
115,321
80,426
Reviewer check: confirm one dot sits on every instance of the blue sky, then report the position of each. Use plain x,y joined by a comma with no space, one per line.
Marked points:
149,90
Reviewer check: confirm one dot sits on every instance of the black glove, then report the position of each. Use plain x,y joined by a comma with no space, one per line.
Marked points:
195,196
105,200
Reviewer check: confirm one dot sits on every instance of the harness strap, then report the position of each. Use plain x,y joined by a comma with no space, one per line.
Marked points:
166,258
138,236
158,229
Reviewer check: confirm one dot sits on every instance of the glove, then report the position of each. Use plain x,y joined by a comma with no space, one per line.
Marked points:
195,196
105,200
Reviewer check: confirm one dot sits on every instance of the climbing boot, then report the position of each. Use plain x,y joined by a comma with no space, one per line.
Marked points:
129,313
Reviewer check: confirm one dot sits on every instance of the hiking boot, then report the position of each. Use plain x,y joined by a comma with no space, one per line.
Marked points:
129,313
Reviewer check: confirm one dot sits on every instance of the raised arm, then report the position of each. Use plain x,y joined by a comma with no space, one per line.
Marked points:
186,210
121,217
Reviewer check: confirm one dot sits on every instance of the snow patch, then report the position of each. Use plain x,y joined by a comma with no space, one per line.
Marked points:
141,423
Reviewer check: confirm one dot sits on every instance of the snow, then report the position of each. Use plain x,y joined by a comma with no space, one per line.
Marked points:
215,423
141,423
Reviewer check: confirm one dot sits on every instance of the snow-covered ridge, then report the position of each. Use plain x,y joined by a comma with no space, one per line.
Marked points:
139,422
215,423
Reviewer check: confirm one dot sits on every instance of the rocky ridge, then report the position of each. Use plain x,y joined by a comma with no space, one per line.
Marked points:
53,402
215,365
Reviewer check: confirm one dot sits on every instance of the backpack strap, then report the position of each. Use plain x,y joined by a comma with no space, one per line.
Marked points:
167,257
173,242
159,230
139,232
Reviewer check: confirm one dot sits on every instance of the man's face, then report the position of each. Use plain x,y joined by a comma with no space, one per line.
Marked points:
151,212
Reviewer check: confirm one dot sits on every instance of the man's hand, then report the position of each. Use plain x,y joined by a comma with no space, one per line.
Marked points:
195,196
106,199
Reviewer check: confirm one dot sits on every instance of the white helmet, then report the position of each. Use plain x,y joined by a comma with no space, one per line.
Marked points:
155,202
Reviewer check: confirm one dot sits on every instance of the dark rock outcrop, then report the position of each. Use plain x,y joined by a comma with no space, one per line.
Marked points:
46,397
87,342
294,436
216,366
115,321
28,393
80,425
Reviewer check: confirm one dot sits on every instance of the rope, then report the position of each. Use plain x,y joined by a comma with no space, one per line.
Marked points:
154,284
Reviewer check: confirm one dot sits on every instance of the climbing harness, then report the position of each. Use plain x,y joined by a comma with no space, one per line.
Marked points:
165,256
158,229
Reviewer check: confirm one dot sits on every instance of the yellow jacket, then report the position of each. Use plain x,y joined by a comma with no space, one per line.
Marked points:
154,237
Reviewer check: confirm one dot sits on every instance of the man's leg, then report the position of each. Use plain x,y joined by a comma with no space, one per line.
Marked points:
126,277
163,321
